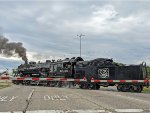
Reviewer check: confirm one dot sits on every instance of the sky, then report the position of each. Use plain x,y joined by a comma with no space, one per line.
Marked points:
48,29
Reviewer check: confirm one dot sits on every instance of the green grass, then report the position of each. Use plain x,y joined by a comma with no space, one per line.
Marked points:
146,90
4,84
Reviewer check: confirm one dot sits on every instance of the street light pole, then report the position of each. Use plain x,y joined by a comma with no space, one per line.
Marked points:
1,31
80,36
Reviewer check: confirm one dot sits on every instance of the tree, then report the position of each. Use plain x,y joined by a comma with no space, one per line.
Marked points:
148,70
118,64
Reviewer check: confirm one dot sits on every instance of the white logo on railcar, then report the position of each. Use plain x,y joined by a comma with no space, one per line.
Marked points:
103,73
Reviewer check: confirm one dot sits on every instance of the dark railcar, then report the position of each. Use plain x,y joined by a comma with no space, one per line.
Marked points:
132,72
106,69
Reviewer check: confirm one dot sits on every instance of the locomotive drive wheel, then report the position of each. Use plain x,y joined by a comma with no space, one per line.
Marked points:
14,81
51,83
58,84
123,88
95,86
84,86
130,88
17,82
27,82
119,88
89,86
137,88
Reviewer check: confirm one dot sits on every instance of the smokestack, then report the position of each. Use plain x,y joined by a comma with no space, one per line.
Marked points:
26,62
12,48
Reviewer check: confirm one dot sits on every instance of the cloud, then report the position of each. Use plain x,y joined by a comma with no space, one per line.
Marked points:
35,56
49,29
8,64
106,19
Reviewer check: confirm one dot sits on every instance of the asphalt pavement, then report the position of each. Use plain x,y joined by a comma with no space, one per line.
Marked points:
39,99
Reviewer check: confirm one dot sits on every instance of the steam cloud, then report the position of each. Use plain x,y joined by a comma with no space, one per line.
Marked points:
12,48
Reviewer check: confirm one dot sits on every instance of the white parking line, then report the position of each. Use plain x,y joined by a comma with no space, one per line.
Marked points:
5,112
60,111
67,111
131,98
17,112
55,97
84,111
129,110
45,111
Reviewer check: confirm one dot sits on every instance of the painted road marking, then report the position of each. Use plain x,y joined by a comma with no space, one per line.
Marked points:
29,97
55,97
67,111
135,99
45,111
85,111
17,112
5,112
13,97
129,110
13,112
5,98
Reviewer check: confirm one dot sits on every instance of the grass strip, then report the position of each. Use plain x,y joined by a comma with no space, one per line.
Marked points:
5,84
146,90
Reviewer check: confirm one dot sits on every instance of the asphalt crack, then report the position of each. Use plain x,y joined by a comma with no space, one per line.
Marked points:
28,100
105,108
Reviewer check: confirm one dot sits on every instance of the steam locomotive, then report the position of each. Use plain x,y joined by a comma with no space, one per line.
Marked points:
77,68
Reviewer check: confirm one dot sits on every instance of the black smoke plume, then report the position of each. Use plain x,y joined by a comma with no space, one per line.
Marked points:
12,48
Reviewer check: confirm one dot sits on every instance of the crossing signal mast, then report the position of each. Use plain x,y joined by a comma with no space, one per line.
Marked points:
80,36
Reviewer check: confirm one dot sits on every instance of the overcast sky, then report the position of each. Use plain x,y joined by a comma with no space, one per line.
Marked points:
113,29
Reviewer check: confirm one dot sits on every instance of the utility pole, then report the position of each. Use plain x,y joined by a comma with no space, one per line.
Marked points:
1,31
80,36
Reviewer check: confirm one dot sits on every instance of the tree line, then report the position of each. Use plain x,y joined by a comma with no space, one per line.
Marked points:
148,71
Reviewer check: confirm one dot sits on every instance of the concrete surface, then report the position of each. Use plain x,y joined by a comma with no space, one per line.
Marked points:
39,99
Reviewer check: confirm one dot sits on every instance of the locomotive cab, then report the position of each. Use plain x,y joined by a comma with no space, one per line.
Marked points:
81,68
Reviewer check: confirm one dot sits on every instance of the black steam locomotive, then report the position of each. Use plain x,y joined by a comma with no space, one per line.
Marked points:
77,68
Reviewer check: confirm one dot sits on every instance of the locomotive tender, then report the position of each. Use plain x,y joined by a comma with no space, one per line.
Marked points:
76,68
105,69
